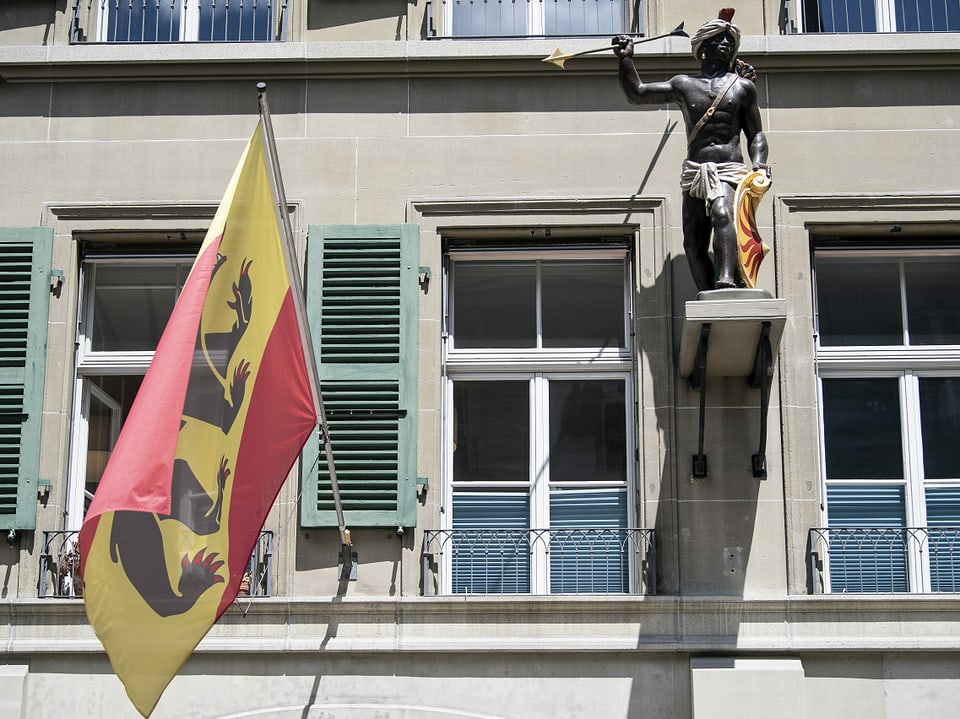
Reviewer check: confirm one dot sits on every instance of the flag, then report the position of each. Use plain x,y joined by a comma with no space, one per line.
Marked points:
222,414
751,249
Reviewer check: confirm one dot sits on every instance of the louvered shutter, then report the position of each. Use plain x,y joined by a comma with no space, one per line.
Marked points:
868,550
943,523
362,303
24,302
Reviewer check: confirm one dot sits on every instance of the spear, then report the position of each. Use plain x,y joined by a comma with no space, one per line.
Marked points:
558,58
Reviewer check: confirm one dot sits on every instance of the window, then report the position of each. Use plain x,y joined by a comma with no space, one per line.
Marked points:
513,18
881,15
538,422
177,20
124,306
889,366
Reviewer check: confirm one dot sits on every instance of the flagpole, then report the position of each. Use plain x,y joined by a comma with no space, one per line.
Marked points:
293,270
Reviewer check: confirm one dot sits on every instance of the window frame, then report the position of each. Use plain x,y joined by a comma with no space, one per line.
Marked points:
908,364
536,20
885,16
89,363
538,367
189,22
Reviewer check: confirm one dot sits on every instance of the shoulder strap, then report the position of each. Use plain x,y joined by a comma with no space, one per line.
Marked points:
712,109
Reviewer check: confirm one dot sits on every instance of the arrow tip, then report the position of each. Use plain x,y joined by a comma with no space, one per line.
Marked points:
556,58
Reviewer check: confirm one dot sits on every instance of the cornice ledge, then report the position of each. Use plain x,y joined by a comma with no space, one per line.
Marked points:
860,201
429,207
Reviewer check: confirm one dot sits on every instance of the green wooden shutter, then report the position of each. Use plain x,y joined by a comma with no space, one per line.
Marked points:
362,301
25,256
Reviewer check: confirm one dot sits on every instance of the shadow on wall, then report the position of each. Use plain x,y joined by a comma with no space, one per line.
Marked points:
323,14
704,527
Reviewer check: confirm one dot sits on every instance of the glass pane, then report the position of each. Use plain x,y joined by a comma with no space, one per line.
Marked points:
840,16
586,17
858,301
943,521
144,21
495,304
583,303
868,550
491,431
250,20
928,15
478,18
490,548
940,426
861,424
589,545
588,436
933,300
111,397
132,303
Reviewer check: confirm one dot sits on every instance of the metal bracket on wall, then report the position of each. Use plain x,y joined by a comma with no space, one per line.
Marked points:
347,563
732,333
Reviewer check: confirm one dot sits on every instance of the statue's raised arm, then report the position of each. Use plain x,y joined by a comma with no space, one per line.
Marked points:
638,92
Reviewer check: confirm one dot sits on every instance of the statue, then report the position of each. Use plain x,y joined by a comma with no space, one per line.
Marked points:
717,105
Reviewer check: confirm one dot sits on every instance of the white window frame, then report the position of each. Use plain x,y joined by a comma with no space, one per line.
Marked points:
885,13
538,367
535,16
189,18
90,363
908,364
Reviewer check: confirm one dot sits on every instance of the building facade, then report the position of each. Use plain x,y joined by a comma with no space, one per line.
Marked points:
547,520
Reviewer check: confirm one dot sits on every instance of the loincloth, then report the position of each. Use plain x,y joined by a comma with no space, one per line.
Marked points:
705,180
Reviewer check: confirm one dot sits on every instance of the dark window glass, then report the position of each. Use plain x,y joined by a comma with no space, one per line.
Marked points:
940,426
933,300
858,301
583,303
495,304
587,431
861,424
491,431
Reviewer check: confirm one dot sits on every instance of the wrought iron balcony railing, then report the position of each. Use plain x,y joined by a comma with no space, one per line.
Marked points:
879,16
533,18
540,561
60,566
884,559
143,21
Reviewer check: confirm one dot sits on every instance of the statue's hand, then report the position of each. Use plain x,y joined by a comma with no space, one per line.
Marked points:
622,46
762,167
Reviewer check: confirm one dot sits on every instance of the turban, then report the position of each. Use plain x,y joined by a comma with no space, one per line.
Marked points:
712,29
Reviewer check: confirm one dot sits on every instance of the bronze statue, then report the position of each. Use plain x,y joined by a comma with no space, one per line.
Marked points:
717,104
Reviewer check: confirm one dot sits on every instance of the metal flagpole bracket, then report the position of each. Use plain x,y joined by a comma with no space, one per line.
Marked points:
348,560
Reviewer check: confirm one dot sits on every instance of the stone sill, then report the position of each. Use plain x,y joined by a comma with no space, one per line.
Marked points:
476,623
454,58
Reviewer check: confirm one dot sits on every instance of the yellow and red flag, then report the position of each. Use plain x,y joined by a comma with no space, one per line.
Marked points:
221,416
751,249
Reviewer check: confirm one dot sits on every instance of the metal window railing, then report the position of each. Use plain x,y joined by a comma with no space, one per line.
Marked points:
575,560
534,18
143,21
884,559
844,16
60,567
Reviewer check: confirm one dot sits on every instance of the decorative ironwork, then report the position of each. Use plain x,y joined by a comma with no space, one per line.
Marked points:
60,567
884,559
143,21
577,560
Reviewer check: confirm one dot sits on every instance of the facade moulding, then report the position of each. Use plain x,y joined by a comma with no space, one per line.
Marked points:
457,58
826,623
